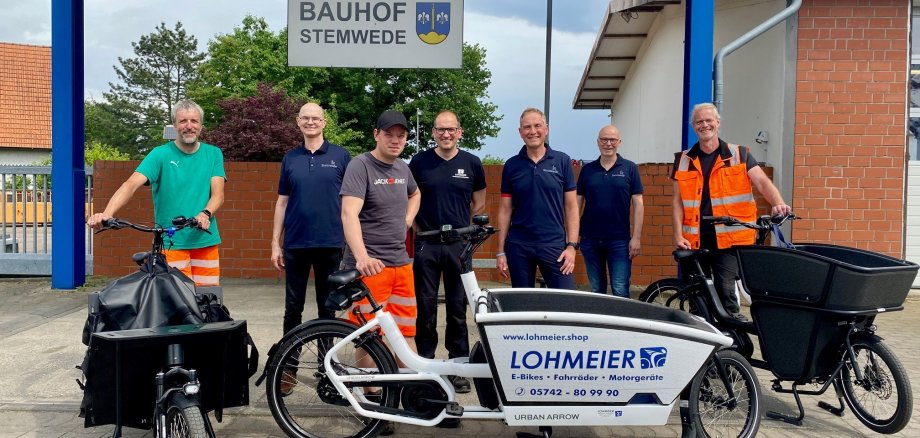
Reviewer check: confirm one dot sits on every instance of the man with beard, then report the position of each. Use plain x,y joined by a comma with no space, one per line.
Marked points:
715,178
186,178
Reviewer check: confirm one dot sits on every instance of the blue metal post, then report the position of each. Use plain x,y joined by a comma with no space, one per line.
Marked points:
698,31
68,263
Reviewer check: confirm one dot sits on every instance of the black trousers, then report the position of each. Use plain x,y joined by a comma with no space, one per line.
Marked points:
298,262
432,259
722,266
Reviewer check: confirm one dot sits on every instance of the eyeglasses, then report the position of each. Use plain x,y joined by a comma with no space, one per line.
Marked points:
613,141
310,119
450,131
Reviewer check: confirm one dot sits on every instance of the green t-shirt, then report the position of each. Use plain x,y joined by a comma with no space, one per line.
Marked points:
181,185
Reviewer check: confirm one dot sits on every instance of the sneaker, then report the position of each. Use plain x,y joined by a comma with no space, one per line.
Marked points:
739,317
288,382
461,384
387,429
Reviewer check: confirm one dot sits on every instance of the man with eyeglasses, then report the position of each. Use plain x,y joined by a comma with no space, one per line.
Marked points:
606,189
454,185
538,211
715,178
307,227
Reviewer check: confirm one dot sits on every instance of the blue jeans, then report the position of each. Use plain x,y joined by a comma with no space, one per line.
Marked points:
603,255
524,258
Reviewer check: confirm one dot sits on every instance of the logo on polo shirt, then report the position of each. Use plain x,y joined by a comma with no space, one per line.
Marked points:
389,181
331,163
553,170
461,174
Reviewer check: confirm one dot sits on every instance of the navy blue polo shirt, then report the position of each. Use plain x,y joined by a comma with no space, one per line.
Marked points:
607,195
447,188
312,180
537,192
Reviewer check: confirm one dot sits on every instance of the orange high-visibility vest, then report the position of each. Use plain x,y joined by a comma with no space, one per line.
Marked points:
730,193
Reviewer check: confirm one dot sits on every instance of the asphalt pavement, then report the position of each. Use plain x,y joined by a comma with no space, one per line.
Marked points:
40,346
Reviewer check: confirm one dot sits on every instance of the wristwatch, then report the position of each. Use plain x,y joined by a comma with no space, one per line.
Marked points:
572,244
206,212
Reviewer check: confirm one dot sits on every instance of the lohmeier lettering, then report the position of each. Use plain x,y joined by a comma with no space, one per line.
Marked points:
320,12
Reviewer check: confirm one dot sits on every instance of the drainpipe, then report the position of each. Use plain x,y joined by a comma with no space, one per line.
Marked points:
718,92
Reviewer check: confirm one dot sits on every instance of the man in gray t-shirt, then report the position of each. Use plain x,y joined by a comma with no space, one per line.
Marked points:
379,203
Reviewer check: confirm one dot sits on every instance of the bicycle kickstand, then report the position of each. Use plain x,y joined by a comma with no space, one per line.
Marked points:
838,411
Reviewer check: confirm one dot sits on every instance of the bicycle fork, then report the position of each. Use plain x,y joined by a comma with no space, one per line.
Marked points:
688,418
183,396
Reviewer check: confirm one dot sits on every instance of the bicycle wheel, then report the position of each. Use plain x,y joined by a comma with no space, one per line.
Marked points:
662,292
303,400
882,400
184,422
717,414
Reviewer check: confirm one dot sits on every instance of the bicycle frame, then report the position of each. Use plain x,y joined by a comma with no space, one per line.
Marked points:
835,323
418,368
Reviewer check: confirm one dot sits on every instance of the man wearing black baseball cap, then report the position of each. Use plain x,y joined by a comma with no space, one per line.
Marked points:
379,202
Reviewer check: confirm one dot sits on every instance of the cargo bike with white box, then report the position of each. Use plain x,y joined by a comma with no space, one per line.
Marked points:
546,358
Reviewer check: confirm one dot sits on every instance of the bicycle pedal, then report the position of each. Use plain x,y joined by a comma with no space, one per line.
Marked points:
454,409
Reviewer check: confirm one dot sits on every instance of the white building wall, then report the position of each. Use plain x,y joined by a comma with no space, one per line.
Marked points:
648,107
912,221
22,157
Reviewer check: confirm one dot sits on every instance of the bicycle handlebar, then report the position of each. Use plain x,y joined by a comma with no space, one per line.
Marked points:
763,222
179,223
447,232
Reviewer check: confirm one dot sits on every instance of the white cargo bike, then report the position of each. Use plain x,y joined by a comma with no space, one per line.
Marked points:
546,358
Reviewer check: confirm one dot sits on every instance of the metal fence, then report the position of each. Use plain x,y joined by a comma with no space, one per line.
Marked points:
26,220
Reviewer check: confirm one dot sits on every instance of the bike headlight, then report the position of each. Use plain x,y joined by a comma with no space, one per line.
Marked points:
191,388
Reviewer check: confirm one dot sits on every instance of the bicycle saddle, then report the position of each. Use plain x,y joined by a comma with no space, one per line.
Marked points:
680,254
140,257
341,278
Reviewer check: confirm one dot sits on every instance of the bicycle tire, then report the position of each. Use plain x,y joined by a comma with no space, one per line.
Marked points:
883,374
187,422
715,414
312,408
661,291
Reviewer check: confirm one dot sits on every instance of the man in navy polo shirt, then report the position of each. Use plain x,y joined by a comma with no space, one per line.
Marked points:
606,188
538,213
308,216
454,185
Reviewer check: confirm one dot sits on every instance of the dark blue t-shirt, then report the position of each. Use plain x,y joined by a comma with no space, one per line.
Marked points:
447,188
607,195
313,218
537,193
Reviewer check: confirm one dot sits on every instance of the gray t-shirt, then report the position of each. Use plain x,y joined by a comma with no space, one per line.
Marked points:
385,189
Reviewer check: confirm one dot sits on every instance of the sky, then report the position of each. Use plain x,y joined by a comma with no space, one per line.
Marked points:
512,32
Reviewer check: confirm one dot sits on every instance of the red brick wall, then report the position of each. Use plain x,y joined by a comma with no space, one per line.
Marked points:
245,222
851,90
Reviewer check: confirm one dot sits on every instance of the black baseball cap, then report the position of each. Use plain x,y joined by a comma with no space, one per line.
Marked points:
390,118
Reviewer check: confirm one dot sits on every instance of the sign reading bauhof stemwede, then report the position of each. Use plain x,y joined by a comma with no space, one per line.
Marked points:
384,34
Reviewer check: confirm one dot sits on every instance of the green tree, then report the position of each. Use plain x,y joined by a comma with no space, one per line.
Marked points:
490,160
261,127
252,53
165,62
103,126
95,151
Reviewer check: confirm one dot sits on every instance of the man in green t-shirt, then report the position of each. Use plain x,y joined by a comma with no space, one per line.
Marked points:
187,179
